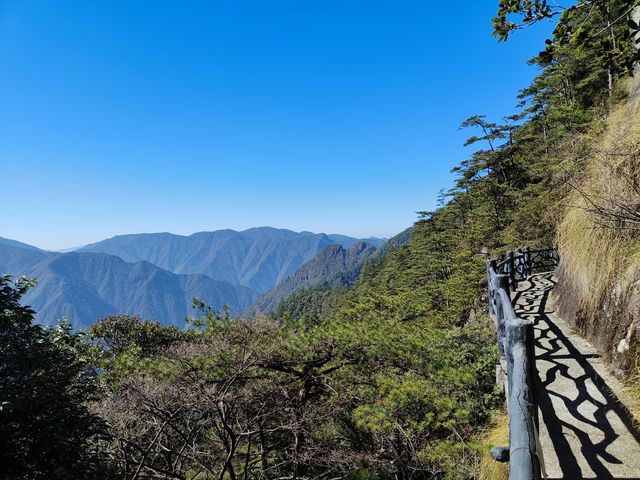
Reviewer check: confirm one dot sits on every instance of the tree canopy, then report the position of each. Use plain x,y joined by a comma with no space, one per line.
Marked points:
46,378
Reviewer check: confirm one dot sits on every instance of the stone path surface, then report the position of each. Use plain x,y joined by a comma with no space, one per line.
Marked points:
584,431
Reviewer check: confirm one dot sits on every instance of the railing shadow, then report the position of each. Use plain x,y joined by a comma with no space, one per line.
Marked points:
556,349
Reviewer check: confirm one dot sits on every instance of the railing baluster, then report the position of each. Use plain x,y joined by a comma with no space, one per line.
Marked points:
510,266
491,266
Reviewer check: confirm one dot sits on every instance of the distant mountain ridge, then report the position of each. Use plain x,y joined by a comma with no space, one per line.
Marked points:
258,258
83,287
15,243
348,242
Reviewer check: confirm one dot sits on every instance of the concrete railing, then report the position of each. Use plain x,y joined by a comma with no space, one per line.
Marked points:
516,344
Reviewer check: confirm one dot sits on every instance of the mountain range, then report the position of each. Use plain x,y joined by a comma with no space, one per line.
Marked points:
83,287
157,275
258,258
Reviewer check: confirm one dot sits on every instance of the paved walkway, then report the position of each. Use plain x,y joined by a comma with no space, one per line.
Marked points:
584,432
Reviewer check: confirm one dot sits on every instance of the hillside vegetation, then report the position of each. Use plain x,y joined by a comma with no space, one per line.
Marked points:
393,378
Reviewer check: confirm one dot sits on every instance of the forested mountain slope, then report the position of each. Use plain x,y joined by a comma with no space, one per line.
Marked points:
318,297
334,266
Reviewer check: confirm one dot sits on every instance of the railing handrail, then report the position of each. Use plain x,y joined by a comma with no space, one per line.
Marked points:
516,343
521,263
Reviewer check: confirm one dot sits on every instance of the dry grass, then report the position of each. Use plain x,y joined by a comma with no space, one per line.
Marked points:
596,249
599,240
496,435
590,256
600,229
632,388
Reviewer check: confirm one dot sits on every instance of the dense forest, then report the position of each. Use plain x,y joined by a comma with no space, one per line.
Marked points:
391,379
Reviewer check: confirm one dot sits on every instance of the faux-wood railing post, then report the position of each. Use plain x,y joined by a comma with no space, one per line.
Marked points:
527,261
491,266
523,457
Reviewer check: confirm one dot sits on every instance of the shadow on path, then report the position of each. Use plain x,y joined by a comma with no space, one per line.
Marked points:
583,418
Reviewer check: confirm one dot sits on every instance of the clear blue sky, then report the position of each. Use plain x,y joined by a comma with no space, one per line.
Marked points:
325,115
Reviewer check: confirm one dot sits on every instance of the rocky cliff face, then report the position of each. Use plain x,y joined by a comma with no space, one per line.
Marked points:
611,322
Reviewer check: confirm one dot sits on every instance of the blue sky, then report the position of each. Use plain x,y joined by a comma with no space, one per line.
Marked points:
335,116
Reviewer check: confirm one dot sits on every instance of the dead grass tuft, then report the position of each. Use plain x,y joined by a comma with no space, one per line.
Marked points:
496,435
632,388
